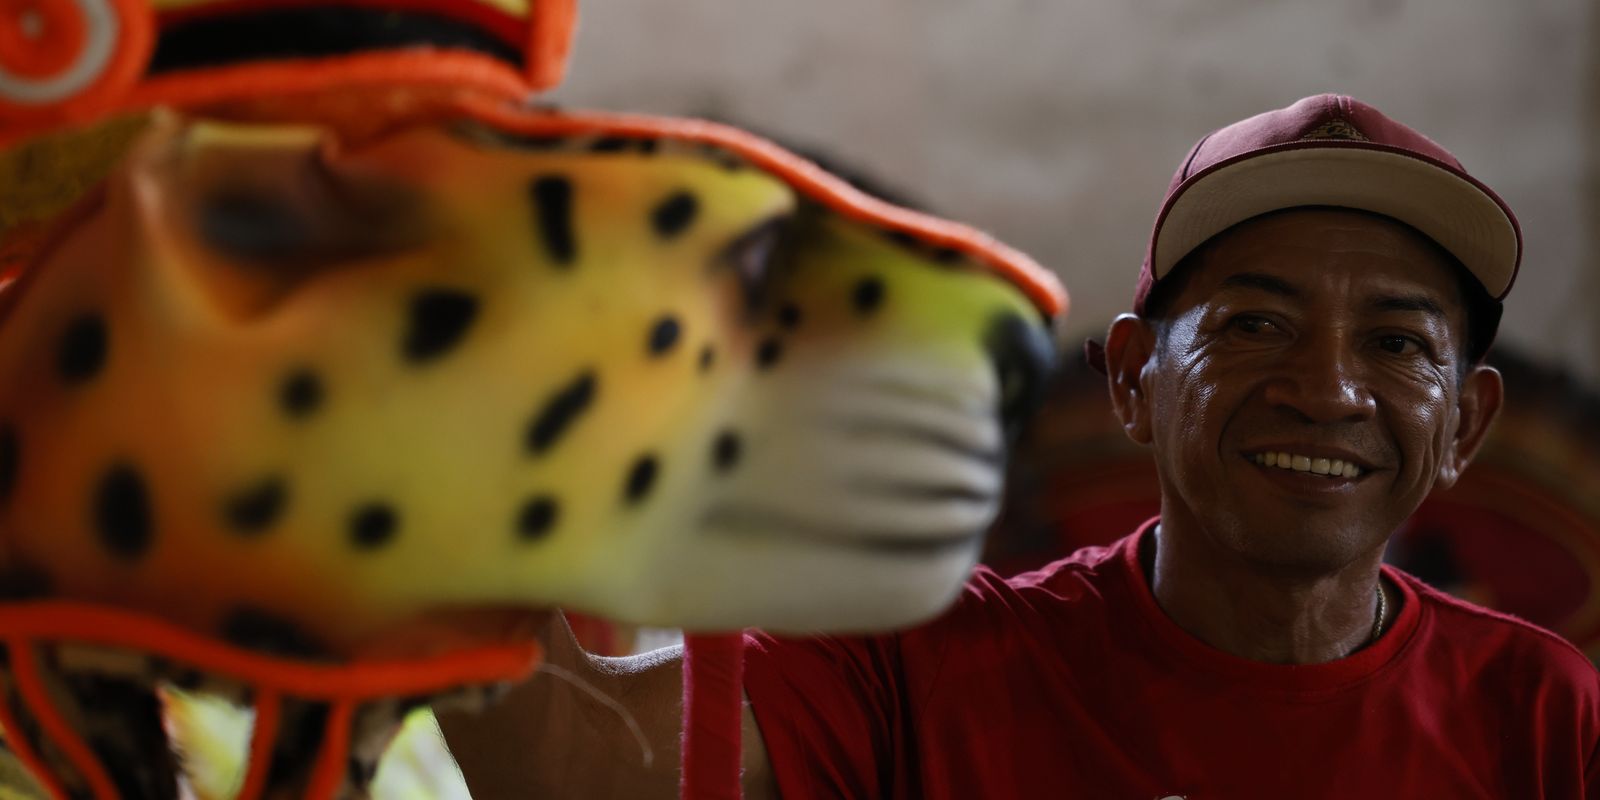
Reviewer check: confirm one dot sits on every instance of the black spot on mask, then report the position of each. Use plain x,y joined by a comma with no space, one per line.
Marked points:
122,514
436,322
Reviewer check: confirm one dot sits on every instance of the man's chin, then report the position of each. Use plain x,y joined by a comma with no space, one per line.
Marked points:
1303,547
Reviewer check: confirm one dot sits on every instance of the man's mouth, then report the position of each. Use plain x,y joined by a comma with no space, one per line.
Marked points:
1314,465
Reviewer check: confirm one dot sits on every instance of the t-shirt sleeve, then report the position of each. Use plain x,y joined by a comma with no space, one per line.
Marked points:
828,709
841,716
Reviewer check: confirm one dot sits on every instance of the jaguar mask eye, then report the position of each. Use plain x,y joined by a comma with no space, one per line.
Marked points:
755,258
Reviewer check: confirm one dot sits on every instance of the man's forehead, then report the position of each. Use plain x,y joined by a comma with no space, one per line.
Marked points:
1305,252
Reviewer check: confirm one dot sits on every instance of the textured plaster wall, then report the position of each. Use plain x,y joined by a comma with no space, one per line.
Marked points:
1056,124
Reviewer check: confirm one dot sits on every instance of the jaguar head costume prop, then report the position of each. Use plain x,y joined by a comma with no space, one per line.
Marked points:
540,375
346,378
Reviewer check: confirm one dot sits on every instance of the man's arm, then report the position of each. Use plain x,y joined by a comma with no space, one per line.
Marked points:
549,738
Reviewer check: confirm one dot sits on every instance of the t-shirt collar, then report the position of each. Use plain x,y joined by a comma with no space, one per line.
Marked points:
1178,644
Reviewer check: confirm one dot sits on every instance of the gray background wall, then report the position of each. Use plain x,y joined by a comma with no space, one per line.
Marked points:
1056,124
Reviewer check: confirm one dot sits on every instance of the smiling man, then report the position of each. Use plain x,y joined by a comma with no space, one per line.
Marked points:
1304,379
1305,363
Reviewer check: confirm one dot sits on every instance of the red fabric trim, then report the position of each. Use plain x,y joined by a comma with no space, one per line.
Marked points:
551,27
461,71
355,681
23,625
545,38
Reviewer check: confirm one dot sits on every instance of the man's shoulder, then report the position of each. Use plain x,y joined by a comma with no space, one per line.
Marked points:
1502,641
1085,565
1077,585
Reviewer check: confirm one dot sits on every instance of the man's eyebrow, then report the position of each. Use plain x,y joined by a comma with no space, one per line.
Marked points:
1263,282
1408,302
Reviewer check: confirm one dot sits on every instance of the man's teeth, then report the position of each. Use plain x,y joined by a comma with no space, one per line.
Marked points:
1332,467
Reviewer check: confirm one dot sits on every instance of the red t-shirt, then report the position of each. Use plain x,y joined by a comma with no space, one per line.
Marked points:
1070,682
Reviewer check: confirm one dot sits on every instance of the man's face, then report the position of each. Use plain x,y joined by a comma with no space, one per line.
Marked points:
1310,334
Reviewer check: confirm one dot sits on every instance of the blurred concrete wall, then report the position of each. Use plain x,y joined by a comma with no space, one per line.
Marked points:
1056,124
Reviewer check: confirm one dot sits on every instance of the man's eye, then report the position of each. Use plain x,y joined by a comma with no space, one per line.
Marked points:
1248,323
1400,345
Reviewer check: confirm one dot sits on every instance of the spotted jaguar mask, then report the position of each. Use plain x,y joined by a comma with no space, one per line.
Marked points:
334,400
308,388
265,384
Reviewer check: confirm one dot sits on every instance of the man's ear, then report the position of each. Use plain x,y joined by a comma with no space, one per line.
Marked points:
1482,393
1129,344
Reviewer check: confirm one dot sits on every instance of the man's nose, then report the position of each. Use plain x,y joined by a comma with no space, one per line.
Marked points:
1322,381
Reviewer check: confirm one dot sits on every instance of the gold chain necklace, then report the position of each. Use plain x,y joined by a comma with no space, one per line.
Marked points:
1383,609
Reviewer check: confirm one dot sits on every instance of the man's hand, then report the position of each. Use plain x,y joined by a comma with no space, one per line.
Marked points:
549,738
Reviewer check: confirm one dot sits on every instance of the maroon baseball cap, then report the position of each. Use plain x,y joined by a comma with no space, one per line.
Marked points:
1330,150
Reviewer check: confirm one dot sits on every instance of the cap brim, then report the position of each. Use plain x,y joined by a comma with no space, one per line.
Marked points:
1463,216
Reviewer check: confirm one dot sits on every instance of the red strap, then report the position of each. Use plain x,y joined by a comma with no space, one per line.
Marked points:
713,701
328,775
264,734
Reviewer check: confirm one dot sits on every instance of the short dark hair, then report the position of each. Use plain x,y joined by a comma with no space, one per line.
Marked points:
1482,311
